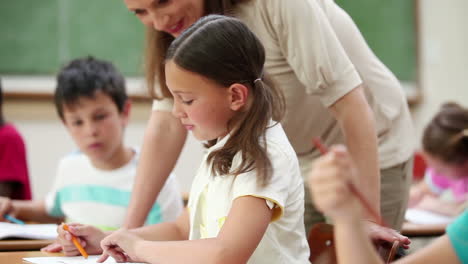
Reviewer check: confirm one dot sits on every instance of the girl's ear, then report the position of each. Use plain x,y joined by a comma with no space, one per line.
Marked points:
238,94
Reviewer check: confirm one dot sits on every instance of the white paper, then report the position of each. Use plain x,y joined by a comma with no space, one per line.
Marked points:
70,260
419,216
31,231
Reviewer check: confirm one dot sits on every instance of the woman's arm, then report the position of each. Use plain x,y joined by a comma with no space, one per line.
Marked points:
236,242
357,123
162,144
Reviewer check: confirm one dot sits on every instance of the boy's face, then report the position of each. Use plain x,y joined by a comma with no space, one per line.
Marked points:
96,126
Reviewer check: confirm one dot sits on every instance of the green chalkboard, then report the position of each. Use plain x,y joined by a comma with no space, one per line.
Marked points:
389,28
38,37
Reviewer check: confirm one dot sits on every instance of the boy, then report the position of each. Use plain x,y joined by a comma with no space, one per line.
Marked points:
93,185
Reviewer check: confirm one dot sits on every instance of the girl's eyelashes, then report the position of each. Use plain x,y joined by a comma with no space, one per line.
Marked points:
187,102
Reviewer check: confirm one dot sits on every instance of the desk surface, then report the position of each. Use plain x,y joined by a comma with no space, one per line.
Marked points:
17,256
23,244
411,229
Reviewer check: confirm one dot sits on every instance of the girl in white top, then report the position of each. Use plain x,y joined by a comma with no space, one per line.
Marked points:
247,200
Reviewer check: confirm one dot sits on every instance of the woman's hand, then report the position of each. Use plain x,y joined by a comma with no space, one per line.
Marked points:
121,245
88,236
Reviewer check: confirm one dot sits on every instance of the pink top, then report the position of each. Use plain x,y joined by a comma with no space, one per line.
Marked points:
439,183
13,165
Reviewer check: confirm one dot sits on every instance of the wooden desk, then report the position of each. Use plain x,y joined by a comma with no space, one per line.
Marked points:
16,257
23,244
410,229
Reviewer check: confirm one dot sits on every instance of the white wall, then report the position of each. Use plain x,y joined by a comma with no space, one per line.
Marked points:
444,57
443,72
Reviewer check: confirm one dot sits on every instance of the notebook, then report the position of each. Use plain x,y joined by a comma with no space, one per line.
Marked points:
30,231
70,260
419,216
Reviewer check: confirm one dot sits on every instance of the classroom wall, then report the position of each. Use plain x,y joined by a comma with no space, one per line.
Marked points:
444,57
443,76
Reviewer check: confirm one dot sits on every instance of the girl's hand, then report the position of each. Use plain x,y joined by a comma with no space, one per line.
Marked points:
89,237
6,207
121,245
328,182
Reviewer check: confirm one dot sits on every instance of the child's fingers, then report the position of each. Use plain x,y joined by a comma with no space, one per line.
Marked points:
52,248
103,258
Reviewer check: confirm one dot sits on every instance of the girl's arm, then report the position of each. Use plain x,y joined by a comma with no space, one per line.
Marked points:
162,144
357,123
168,231
417,193
240,235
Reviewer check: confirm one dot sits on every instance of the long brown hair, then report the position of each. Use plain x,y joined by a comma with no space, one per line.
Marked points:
446,136
225,51
157,43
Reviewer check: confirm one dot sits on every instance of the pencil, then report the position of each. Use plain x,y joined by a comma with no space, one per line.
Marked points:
76,243
13,219
323,150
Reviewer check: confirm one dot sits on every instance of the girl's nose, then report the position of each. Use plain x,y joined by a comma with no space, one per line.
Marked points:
177,111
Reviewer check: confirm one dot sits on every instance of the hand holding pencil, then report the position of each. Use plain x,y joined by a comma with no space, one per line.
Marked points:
76,242
89,237
334,192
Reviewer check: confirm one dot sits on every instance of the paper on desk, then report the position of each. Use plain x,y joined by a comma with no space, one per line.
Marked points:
70,260
419,216
31,231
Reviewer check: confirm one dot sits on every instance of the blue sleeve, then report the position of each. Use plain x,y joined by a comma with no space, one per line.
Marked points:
458,235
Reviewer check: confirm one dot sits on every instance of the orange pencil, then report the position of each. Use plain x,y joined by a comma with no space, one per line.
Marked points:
76,243
353,188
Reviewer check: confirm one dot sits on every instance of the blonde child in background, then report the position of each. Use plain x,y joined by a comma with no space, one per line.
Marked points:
93,185
247,199
445,150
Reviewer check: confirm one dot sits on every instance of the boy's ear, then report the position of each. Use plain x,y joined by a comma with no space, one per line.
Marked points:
126,111
238,94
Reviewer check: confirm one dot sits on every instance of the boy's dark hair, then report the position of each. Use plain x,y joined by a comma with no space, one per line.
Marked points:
446,136
84,77
224,50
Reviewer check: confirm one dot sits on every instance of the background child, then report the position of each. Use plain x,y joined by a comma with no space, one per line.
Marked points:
14,178
247,199
329,184
445,149
93,185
